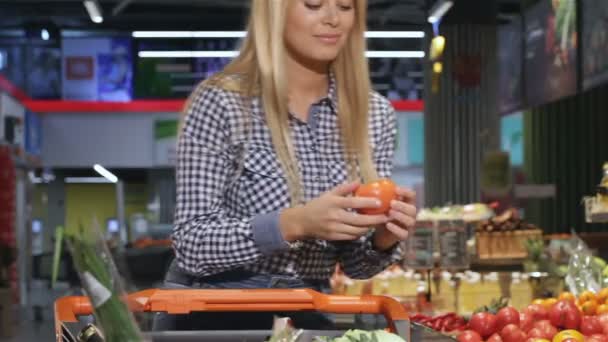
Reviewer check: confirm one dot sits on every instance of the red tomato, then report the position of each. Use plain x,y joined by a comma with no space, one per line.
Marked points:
565,314
597,338
507,316
384,190
484,323
591,325
603,319
535,332
469,336
512,333
536,339
526,321
537,311
546,328
494,338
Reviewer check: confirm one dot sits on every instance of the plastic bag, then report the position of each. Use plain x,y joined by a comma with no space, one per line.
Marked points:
584,274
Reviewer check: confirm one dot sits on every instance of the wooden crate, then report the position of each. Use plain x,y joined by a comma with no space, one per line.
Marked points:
503,245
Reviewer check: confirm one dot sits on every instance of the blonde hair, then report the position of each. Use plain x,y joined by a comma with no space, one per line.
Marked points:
260,70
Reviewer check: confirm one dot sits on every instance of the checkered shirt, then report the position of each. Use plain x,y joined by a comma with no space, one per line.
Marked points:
230,185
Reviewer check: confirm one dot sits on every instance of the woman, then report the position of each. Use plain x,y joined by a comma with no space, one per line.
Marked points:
269,151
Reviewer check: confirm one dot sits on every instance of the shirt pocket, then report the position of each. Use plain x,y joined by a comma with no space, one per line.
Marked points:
262,186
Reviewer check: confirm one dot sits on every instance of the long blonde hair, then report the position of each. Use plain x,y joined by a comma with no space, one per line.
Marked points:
260,70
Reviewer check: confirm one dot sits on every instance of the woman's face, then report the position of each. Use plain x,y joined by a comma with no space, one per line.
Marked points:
316,30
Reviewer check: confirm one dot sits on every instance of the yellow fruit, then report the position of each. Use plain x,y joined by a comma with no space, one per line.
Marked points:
573,334
585,296
589,307
602,309
567,296
602,296
538,301
548,303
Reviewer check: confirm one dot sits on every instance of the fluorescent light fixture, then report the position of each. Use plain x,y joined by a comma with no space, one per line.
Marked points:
45,35
394,34
94,11
189,34
188,54
232,54
394,54
86,180
105,173
440,8
241,34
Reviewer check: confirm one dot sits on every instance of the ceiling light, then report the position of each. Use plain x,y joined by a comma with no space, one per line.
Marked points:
440,8
241,34
105,173
94,11
86,180
232,54
45,35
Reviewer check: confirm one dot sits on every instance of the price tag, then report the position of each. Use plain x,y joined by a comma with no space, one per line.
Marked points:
453,245
420,247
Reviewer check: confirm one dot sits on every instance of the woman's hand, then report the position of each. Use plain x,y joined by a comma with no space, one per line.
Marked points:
402,220
328,217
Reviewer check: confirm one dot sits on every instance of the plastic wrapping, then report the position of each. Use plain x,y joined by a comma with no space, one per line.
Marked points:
584,274
102,284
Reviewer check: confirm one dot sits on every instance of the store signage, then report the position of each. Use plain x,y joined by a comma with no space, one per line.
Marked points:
165,141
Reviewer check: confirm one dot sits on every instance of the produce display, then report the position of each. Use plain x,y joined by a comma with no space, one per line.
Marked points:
568,318
505,236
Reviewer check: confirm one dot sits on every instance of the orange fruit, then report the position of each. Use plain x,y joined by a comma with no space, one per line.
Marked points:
548,303
602,296
589,307
602,309
567,296
538,301
585,296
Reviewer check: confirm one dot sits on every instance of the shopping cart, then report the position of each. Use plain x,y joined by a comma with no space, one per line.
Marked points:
69,309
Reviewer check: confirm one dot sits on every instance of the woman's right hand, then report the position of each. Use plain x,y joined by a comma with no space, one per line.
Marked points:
330,217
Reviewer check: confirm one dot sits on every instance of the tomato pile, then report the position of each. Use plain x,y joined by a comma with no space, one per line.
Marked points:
563,319
447,323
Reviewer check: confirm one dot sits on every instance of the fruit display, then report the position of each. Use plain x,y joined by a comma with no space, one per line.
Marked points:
505,236
567,318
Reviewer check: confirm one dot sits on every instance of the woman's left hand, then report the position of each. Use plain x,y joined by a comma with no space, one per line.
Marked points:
403,215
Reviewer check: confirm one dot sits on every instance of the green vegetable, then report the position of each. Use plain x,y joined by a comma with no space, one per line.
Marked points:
102,284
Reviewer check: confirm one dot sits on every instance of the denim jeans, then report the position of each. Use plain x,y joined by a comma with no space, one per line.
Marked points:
237,279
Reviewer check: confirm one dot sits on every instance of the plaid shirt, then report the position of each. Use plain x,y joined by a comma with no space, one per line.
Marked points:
231,188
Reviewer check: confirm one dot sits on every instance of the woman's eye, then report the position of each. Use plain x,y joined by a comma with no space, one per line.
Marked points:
346,8
312,6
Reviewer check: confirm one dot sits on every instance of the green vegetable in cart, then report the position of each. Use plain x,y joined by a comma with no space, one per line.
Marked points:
101,283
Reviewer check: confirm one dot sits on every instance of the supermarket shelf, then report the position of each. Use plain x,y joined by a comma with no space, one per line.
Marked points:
498,265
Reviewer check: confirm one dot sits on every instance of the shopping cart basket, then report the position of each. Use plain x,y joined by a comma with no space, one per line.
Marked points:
68,309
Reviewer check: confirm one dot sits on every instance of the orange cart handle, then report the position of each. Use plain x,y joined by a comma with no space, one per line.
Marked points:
193,300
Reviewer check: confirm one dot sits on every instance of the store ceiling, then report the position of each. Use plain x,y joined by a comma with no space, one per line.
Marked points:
182,14
223,14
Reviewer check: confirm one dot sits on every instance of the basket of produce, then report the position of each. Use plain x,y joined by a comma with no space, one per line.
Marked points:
504,237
